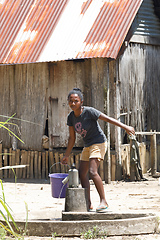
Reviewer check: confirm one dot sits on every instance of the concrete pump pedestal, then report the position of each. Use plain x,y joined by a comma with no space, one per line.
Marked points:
76,200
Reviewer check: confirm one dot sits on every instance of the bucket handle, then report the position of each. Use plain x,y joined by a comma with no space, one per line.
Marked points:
57,163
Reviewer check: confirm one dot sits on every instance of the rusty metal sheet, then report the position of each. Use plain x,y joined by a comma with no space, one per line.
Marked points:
51,30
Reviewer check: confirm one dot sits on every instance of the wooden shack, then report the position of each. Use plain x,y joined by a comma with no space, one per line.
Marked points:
126,88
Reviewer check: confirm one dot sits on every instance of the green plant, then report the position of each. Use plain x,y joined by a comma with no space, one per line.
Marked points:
54,235
94,233
3,233
5,211
2,124
7,216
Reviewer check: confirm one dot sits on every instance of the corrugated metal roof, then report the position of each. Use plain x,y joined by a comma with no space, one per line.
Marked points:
50,30
146,22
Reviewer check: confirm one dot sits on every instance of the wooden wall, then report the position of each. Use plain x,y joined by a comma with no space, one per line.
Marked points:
37,93
23,91
139,75
89,76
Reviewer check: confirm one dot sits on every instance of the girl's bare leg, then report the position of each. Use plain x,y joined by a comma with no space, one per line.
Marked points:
93,170
83,175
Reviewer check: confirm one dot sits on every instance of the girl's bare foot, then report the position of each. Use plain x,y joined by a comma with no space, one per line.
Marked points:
90,206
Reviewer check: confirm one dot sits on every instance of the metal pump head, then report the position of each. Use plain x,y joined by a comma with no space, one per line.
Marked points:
73,177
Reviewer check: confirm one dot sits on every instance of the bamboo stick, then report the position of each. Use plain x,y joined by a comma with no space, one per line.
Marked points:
36,164
10,172
17,162
147,133
51,162
5,157
31,165
43,165
153,154
12,163
39,165
1,159
46,167
57,162
28,163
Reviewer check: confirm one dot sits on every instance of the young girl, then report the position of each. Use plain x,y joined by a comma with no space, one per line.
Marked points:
83,120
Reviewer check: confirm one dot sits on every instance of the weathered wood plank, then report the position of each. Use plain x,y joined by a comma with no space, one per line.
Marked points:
10,171
43,165
13,162
23,171
1,161
153,154
28,168
113,167
47,164
36,164
39,165
5,158
17,162
52,167
32,165
57,161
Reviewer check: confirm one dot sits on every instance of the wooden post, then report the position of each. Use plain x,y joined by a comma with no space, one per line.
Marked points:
36,164
117,129
132,164
113,169
57,162
24,158
31,165
43,165
1,165
153,154
13,162
28,164
107,159
47,165
17,163
39,165
5,158
52,168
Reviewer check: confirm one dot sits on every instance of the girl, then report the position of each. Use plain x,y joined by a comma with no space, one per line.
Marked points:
83,120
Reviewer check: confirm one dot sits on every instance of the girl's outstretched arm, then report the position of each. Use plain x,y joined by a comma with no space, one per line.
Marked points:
130,130
71,142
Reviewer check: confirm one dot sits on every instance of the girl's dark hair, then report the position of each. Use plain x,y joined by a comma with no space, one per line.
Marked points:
76,91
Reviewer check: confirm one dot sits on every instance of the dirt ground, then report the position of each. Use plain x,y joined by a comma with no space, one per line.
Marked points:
143,196
137,237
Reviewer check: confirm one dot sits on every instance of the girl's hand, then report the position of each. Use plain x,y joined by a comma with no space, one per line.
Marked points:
65,160
130,130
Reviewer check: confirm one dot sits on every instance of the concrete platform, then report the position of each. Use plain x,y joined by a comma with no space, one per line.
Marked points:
127,226
87,216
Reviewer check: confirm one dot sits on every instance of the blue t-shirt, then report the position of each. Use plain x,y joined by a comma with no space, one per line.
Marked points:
87,126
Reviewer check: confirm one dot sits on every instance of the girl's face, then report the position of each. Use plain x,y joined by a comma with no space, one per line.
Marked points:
75,102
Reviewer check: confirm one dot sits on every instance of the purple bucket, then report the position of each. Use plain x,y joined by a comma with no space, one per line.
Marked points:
57,188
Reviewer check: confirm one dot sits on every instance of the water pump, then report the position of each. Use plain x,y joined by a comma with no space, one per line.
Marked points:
76,199
73,177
